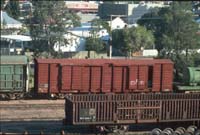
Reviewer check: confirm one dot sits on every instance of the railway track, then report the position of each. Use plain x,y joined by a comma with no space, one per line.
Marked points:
31,110
27,106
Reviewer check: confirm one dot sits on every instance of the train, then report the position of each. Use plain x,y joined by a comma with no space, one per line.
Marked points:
54,78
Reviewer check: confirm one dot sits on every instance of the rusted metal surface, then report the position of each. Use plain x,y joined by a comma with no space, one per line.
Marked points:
131,108
103,76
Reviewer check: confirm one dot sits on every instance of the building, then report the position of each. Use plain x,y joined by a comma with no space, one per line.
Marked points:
76,38
8,22
15,44
117,23
82,6
131,12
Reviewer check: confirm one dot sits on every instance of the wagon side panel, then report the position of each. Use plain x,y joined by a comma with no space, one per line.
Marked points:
42,78
156,78
167,77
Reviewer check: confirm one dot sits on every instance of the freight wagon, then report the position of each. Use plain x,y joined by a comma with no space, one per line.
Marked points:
191,80
121,110
13,76
60,76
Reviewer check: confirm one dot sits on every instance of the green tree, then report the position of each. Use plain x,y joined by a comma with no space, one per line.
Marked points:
132,39
49,23
94,44
175,32
12,8
2,4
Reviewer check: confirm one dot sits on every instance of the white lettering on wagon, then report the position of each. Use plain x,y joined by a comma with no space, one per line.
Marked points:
135,82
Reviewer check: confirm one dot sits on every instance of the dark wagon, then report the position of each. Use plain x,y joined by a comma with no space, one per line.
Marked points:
126,109
13,76
60,76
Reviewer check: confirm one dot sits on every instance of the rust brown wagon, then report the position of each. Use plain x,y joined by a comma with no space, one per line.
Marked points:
125,109
59,76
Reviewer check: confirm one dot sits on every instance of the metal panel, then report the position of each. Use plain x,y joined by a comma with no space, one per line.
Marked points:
180,110
86,79
76,77
43,78
12,78
14,60
107,78
66,78
117,79
167,77
95,79
156,78
53,78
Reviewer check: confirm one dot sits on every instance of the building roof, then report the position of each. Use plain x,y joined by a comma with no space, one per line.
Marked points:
18,59
16,37
9,20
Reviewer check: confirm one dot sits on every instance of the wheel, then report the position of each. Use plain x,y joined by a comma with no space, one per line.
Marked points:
11,96
168,131
156,131
191,129
197,132
180,131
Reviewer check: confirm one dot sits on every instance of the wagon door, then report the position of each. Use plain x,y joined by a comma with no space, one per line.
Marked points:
133,77
143,78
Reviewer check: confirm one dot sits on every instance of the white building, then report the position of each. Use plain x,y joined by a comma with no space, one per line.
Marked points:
117,23
76,38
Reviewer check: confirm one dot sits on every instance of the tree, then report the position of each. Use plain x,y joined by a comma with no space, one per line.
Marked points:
94,43
2,4
49,23
132,39
175,32
12,8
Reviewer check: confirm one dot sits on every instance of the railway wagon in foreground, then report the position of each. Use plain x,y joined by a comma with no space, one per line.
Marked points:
125,109
60,76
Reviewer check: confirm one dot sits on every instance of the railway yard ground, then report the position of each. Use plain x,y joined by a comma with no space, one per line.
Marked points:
36,116
45,116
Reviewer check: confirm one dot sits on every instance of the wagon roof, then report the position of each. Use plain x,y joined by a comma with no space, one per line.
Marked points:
22,60
104,61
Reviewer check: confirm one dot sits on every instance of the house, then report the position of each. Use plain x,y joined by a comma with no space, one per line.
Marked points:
117,23
76,38
9,22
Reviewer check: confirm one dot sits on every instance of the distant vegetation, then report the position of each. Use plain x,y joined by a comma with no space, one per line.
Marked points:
49,23
133,39
175,33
